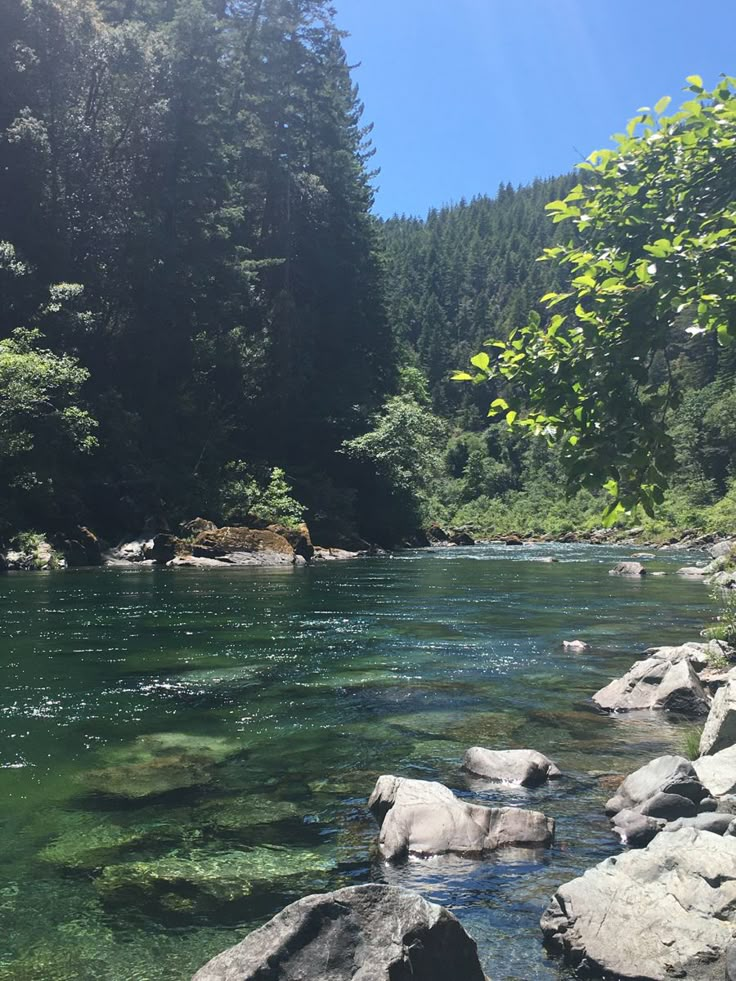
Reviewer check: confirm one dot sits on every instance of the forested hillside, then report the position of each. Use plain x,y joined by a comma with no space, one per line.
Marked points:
189,254
200,314
472,272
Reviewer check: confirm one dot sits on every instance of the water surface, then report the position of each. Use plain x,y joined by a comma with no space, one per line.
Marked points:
281,695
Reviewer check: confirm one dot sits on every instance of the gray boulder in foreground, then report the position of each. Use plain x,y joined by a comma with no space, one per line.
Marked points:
718,772
523,767
362,933
667,775
720,726
656,683
667,911
423,818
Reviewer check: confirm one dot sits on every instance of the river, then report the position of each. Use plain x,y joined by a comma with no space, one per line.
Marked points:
266,702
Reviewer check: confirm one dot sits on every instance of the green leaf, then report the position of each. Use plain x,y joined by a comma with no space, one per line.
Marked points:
662,104
481,361
695,82
461,376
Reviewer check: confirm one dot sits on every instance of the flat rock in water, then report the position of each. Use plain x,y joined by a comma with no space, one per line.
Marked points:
423,818
523,767
361,933
666,911
657,683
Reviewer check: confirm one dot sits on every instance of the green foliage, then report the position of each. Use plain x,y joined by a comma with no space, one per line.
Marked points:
690,742
267,496
201,167
725,628
651,262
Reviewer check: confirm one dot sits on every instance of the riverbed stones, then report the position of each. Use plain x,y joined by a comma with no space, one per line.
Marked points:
642,790
523,767
657,683
372,932
666,911
424,818
632,570
720,726
201,882
158,763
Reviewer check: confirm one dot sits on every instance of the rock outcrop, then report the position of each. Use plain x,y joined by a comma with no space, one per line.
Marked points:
424,818
720,726
523,767
717,772
372,932
658,682
667,911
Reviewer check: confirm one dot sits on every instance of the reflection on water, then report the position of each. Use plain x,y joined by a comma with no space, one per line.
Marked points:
181,754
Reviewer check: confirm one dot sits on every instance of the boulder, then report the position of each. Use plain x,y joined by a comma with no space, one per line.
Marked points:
190,529
656,683
461,538
631,569
126,552
373,932
299,539
722,548
717,772
718,824
82,548
635,829
437,535
720,726
671,775
246,546
333,554
163,548
424,818
523,767
668,807
692,572
576,646
665,911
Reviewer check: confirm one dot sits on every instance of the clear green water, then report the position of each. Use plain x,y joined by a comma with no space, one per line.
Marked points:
288,692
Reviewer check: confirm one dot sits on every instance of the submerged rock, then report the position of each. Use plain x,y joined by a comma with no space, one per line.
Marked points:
202,882
667,911
631,569
577,646
423,818
242,813
523,767
375,932
159,763
90,842
656,683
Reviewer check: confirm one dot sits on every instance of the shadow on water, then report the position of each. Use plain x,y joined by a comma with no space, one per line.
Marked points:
184,753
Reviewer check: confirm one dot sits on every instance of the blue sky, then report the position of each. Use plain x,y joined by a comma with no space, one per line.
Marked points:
465,94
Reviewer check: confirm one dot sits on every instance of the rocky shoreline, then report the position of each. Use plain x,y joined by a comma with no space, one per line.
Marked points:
671,894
